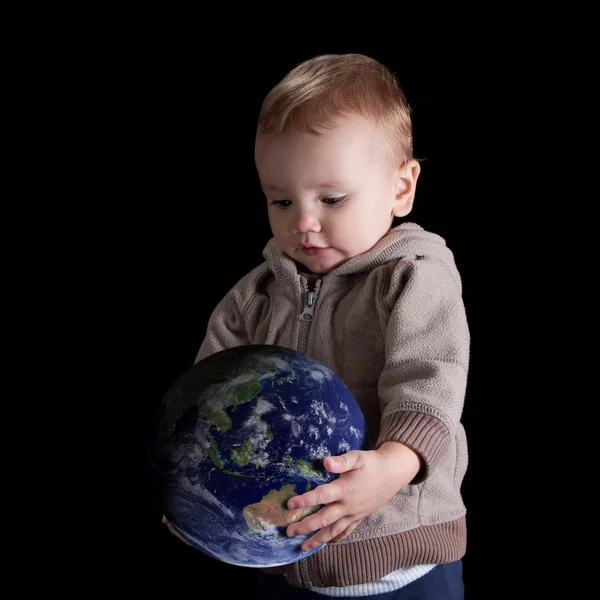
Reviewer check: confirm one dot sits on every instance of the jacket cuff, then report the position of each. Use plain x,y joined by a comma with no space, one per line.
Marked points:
425,434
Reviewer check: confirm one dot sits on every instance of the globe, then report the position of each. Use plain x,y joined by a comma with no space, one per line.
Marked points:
236,436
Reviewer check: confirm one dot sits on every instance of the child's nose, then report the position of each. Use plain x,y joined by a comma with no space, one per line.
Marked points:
306,221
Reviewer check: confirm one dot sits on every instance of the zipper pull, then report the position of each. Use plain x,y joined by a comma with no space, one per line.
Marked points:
309,307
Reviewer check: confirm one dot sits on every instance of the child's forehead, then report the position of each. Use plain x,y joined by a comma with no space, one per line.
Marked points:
344,128
332,160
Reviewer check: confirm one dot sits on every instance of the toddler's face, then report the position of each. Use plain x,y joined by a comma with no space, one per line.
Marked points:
332,196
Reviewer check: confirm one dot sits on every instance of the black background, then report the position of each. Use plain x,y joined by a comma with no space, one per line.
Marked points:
177,205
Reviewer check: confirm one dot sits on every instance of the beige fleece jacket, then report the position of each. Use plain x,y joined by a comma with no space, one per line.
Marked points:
391,323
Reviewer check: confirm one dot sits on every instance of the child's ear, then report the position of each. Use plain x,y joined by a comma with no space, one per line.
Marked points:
406,184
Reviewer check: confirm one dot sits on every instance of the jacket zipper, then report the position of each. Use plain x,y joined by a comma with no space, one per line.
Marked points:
308,313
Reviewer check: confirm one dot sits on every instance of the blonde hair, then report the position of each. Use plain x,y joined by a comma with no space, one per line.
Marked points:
318,90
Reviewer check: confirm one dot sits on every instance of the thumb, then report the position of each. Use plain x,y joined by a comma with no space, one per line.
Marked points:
341,463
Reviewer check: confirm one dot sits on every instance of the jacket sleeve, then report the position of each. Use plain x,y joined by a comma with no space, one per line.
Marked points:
423,384
234,319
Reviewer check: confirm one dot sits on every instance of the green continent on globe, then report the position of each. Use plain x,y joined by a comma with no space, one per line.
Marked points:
272,510
228,394
213,403
247,453
267,364
306,469
243,454
213,453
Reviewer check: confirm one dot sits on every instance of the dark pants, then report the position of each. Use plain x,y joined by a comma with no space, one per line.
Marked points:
444,582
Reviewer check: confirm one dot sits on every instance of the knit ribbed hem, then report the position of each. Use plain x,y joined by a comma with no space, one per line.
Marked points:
425,434
369,560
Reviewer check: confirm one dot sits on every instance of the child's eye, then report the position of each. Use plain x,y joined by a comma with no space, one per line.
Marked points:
335,200
282,203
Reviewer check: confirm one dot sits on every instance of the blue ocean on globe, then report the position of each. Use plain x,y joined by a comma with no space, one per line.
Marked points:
236,436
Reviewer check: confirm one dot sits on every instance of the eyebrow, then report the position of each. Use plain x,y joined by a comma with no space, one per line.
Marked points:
328,185
270,187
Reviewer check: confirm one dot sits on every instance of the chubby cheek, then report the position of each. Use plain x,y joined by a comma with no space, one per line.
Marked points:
362,234
347,231
278,227
284,239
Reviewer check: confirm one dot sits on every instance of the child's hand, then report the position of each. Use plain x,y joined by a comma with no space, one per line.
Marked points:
368,480
173,530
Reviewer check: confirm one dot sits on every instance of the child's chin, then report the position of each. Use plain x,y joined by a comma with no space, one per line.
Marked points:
320,268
